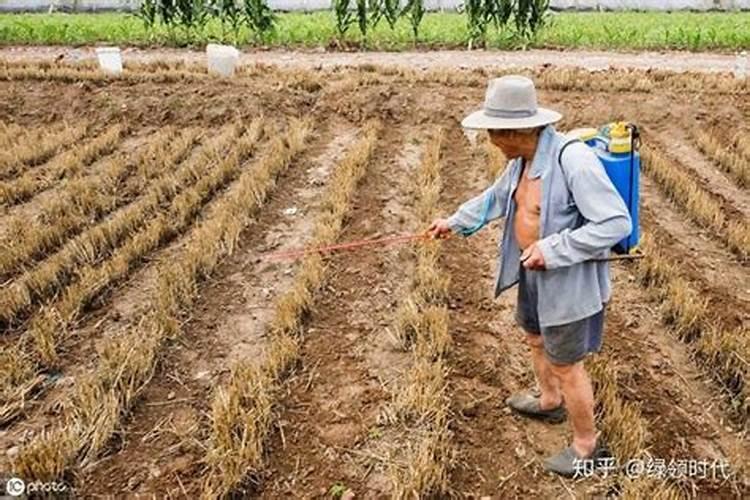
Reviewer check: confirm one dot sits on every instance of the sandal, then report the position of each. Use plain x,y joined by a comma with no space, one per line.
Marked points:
527,405
567,463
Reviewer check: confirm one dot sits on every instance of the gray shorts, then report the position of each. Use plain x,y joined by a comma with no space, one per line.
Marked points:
563,344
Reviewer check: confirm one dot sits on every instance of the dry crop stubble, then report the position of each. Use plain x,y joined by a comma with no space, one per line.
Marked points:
34,147
93,279
37,349
699,204
730,162
69,164
624,431
741,143
82,201
10,134
72,73
720,350
419,402
241,411
244,392
127,362
568,79
562,79
56,271
94,276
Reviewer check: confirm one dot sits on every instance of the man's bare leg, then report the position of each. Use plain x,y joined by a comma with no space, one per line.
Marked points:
548,383
579,401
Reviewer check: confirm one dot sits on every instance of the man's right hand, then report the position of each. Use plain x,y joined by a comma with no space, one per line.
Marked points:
439,229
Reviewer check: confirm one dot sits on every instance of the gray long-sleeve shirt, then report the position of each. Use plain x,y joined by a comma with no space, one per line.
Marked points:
582,217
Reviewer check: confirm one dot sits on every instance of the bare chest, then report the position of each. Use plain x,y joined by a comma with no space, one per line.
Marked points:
528,195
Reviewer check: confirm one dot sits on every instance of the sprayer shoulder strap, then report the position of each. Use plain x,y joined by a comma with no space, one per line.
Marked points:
560,155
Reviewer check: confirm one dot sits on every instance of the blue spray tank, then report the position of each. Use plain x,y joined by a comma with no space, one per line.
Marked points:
616,145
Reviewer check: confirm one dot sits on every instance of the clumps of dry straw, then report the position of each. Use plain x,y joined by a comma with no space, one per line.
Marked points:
56,271
734,164
82,200
241,410
126,362
723,351
741,143
420,404
69,164
625,432
33,147
698,203
38,348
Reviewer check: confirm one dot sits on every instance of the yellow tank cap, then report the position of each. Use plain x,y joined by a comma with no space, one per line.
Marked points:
619,137
584,134
619,130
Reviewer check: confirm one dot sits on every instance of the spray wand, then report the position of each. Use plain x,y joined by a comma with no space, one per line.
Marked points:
383,242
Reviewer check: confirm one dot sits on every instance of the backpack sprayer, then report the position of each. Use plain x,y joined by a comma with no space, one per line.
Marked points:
616,145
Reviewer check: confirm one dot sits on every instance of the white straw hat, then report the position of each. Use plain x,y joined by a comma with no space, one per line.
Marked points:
510,103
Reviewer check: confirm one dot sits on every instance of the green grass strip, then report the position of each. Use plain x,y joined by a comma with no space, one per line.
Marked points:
584,30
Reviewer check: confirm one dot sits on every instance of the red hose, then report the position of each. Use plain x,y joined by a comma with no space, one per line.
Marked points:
351,245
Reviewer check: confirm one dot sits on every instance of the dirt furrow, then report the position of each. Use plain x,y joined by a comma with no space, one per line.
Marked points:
682,145
334,399
227,323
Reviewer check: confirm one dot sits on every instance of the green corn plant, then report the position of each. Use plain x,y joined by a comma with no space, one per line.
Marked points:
377,10
500,11
148,12
344,17
414,12
362,19
477,14
167,10
385,9
260,18
530,16
230,14
538,17
192,15
391,12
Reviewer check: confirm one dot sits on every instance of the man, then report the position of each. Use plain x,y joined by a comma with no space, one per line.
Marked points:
563,215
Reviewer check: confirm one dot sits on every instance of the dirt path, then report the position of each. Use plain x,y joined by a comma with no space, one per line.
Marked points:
593,60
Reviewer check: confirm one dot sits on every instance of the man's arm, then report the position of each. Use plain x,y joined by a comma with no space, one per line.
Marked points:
608,219
494,201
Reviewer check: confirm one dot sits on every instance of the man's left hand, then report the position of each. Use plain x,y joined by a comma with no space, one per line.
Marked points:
532,258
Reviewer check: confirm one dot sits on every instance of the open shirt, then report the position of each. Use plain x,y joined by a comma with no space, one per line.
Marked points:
582,217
